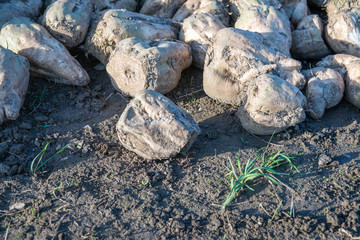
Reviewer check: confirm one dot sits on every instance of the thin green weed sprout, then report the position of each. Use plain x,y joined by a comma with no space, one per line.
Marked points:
276,210
60,187
144,183
40,95
38,98
39,157
262,165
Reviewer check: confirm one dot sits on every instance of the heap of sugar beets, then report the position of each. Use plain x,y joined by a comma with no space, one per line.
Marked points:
250,52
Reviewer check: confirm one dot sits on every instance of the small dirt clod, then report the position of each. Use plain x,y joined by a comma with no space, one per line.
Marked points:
324,160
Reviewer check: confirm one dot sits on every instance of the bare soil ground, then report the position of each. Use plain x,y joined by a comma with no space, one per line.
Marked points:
103,191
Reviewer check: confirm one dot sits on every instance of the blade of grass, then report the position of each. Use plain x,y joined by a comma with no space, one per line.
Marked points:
289,159
58,152
269,170
272,180
292,206
41,154
232,168
41,94
249,187
268,144
277,209
239,164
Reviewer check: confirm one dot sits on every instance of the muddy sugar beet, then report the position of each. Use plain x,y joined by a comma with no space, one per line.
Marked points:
129,5
271,23
161,8
343,32
114,25
195,7
324,90
155,128
333,7
272,106
307,40
295,9
198,32
14,80
19,8
138,64
47,56
349,67
68,21
238,7
236,57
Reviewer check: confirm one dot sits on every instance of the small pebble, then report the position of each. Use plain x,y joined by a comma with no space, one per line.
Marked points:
99,67
98,88
11,160
324,160
4,169
25,126
13,170
21,168
26,138
17,206
79,106
36,142
41,118
3,147
76,144
89,130
17,149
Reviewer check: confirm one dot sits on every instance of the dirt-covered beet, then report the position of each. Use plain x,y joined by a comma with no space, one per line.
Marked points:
349,67
307,39
271,23
137,64
14,80
343,32
236,57
48,58
272,105
161,8
19,8
68,21
198,31
112,26
237,7
296,10
194,7
325,89
155,128
333,7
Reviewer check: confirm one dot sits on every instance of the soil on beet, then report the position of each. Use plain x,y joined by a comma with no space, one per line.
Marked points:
103,191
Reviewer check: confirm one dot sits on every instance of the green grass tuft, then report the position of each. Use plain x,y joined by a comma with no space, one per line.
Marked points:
38,158
262,165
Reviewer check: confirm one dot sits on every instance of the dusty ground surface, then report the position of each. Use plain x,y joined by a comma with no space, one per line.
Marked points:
104,191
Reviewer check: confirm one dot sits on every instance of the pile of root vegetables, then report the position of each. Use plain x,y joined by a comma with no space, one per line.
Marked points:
251,53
